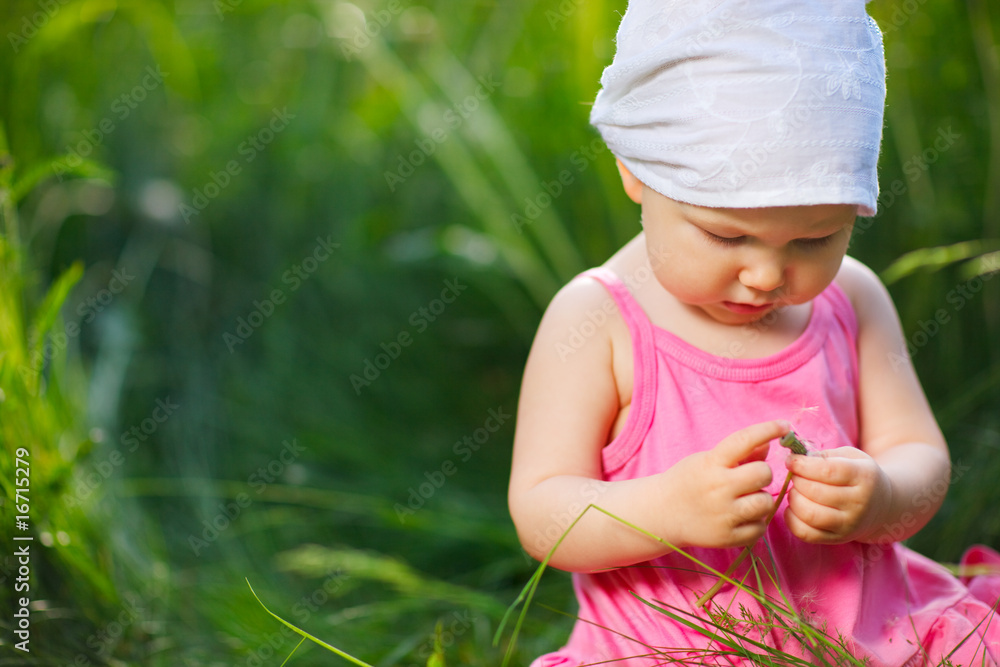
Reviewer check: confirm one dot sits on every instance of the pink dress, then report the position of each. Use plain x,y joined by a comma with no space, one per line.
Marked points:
888,605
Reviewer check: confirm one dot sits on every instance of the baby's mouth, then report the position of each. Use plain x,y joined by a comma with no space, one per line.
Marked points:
747,308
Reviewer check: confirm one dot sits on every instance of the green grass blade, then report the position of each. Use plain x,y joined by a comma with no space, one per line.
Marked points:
58,167
528,592
48,310
293,650
436,658
306,635
512,166
724,638
470,181
932,259
315,560
531,587
988,618
980,266
808,636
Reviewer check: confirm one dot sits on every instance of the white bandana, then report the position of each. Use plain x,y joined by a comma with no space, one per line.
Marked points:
747,103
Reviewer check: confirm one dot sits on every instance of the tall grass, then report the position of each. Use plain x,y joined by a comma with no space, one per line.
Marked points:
43,412
774,634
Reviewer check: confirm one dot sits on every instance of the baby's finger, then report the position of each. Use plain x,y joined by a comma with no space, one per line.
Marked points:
746,534
813,523
740,446
750,477
826,470
818,492
841,452
752,508
816,514
758,454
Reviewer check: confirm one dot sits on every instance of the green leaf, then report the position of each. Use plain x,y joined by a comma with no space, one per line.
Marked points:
933,259
981,266
49,308
59,166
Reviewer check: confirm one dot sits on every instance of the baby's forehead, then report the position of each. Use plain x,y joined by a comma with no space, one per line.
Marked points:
808,218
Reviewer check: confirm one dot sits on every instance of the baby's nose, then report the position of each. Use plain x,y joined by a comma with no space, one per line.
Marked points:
763,276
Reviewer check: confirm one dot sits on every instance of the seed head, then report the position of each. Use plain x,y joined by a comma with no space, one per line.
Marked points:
792,442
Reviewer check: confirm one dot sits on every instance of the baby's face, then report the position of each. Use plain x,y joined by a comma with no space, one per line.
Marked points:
737,264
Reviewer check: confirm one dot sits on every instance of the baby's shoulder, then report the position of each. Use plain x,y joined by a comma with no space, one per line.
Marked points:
582,299
583,335
868,295
855,274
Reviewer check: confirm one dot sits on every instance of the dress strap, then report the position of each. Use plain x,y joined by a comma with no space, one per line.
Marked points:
635,316
644,373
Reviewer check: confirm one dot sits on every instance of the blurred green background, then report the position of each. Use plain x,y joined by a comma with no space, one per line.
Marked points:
270,271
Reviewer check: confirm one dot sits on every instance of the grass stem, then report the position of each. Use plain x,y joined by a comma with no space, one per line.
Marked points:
705,599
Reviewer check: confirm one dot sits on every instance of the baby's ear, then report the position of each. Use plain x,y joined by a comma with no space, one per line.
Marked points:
633,186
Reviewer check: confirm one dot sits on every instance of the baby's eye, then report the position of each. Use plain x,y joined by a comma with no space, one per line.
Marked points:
813,244
724,240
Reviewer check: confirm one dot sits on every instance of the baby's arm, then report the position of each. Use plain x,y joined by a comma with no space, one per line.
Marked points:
566,409
889,488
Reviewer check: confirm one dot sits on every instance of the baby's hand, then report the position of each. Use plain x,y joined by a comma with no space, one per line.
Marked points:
716,496
836,495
